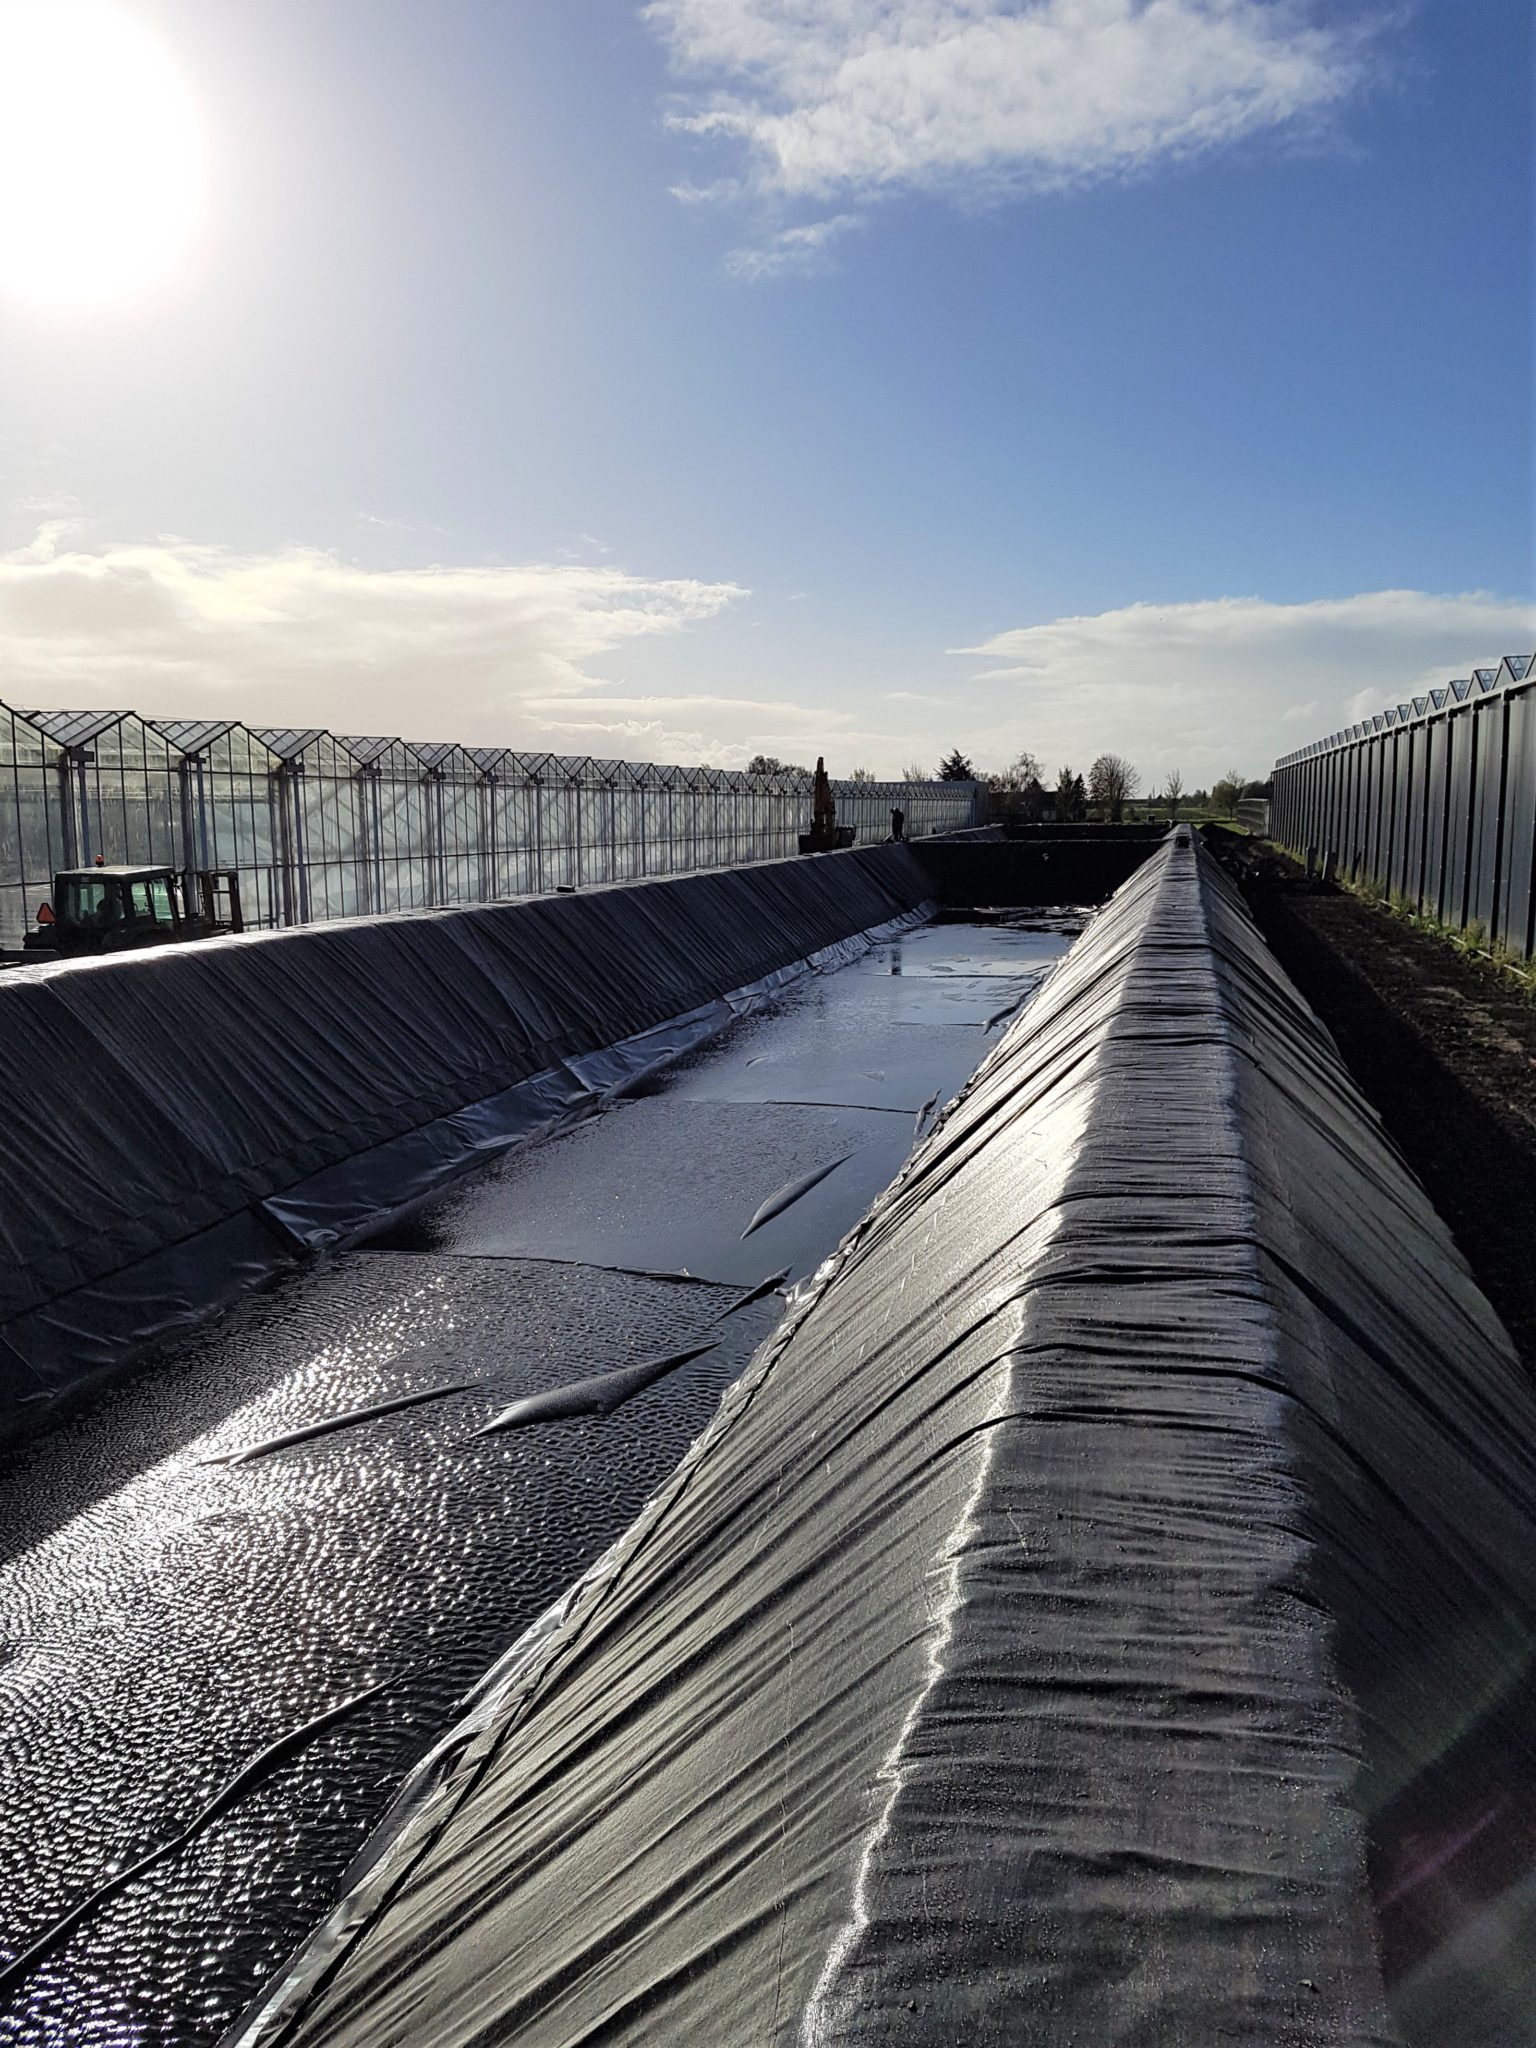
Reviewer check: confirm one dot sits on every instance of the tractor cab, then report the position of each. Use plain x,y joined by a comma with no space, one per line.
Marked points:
104,910
112,909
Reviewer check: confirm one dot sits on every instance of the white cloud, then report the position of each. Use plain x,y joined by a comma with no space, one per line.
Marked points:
1231,682
580,544
792,252
51,505
535,656
724,731
395,525
301,637
855,98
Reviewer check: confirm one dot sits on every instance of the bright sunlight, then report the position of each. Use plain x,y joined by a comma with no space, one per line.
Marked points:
101,154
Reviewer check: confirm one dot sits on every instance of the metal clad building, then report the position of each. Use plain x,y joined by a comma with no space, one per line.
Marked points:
1432,801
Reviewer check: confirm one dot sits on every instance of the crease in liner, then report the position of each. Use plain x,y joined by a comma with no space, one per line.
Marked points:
791,1192
347,1419
598,1395
245,1780
763,1288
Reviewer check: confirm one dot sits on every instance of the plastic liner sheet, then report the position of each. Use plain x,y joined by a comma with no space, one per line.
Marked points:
996,868
1135,1504
356,1196
285,1089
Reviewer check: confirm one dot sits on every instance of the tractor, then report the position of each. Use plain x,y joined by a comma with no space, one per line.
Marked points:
105,909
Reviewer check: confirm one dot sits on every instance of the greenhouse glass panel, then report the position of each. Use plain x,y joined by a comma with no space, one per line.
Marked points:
556,801
399,844
450,812
514,807
31,823
120,795
232,795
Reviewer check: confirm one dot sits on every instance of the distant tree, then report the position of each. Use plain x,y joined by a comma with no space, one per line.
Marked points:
1019,774
862,775
956,768
1173,790
1226,791
1259,789
915,771
1032,801
770,764
1112,782
1071,798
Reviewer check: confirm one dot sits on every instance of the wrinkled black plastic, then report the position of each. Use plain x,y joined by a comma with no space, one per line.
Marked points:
998,1667
179,1123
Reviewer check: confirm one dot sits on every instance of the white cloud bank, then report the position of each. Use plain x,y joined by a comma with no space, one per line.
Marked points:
515,656
175,628
850,99
1233,682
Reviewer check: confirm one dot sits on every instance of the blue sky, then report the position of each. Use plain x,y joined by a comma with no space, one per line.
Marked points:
847,376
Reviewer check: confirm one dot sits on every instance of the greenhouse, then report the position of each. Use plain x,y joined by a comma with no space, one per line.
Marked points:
315,825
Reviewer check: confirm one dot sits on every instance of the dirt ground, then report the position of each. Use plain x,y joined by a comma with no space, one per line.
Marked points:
1444,1045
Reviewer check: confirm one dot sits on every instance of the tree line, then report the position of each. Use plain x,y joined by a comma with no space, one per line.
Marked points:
1110,784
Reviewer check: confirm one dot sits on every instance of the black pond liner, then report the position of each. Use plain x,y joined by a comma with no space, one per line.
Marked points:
184,1123
1124,1546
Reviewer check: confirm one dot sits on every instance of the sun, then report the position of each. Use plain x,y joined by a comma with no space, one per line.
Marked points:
101,154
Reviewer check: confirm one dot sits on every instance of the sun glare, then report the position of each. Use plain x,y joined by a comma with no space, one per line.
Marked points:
101,154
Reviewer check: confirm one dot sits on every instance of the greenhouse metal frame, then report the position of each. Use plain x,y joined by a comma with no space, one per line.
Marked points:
322,825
